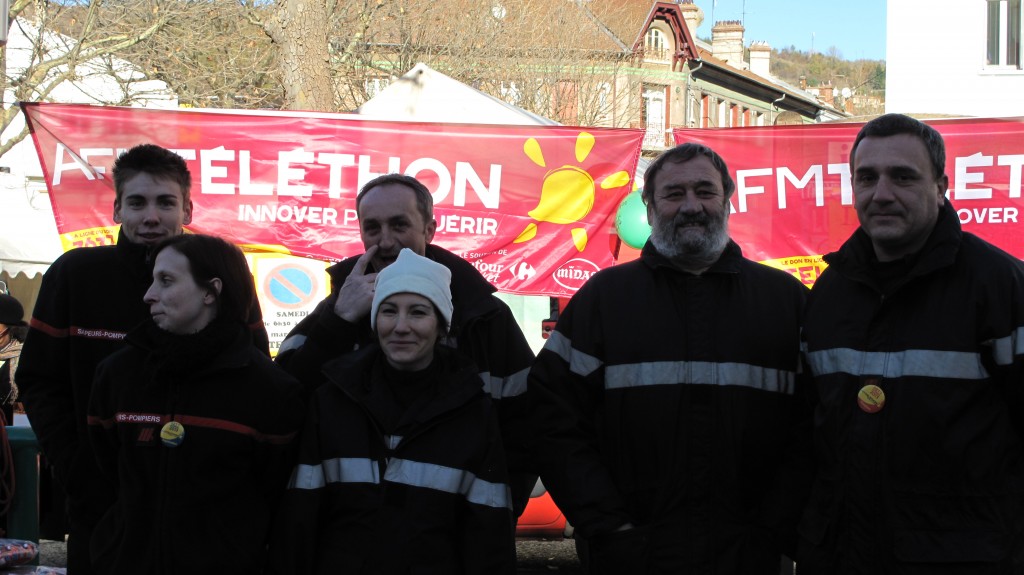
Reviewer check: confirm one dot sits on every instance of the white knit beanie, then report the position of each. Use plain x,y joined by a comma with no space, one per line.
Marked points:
411,273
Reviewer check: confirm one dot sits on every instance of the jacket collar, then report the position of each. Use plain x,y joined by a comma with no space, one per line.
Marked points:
219,346
134,257
856,257
357,377
728,262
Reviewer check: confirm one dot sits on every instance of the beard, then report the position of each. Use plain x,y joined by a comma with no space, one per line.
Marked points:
693,247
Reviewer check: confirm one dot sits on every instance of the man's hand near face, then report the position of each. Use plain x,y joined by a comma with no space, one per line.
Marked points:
356,295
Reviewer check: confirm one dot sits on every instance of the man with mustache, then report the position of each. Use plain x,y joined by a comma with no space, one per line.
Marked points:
915,342
667,399
396,211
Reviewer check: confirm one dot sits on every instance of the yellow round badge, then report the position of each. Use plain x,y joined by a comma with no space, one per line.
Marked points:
871,398
172,434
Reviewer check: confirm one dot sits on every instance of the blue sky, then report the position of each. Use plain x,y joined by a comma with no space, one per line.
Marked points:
856,29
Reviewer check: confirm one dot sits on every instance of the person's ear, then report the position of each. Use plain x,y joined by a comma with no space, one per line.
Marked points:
943,187
215,287
117,212
431,228
188,214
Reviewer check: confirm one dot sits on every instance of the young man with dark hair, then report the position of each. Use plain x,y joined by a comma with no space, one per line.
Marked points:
89,299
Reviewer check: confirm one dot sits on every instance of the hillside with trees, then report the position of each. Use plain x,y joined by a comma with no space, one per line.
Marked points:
819,68
864,78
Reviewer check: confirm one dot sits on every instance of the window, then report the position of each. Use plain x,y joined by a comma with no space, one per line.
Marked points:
373,86
656,45
1003,33
654,116
541,98
510,93
604,100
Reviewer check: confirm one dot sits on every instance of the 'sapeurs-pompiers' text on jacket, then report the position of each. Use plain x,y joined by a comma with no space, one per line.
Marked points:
483,329
669,400
206,503
89,299
386,490
930,477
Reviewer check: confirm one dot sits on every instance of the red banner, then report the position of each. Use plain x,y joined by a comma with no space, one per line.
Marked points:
794,200
532,207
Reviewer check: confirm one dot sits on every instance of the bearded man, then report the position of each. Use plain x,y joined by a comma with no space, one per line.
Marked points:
670,418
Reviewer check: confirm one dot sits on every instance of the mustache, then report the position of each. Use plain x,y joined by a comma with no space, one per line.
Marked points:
700,218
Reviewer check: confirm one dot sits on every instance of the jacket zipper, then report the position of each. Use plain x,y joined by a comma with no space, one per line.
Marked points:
165,458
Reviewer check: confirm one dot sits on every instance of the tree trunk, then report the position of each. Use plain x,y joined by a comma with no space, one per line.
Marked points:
300,28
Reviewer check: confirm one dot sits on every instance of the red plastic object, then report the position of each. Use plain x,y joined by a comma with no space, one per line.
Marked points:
541,518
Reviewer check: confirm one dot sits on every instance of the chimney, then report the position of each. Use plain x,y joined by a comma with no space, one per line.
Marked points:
693,16
760,59
727,42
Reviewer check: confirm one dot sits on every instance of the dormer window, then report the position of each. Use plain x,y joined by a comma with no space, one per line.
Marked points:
656,45
1003,34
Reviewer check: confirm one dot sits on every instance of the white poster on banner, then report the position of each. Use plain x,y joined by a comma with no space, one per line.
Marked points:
288,288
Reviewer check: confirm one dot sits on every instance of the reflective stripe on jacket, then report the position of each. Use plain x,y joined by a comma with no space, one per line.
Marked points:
931,478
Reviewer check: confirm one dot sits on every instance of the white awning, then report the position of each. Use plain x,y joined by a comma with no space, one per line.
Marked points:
28,233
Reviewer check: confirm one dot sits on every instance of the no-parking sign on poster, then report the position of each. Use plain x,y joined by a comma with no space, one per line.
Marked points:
288,289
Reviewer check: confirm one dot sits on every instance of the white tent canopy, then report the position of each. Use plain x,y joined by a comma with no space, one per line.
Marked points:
28,234
426,95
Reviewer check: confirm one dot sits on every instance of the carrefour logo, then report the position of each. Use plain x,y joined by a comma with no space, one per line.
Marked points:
574,273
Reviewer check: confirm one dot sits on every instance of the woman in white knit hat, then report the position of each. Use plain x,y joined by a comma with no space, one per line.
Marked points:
401,466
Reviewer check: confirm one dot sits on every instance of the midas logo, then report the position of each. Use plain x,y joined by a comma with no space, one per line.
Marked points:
574,273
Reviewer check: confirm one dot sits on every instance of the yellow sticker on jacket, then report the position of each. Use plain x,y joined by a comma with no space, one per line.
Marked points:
172,434
871,398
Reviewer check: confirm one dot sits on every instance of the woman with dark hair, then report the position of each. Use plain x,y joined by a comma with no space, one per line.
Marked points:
192,423
401,467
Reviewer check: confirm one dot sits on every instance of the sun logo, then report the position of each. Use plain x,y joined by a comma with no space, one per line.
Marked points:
568,193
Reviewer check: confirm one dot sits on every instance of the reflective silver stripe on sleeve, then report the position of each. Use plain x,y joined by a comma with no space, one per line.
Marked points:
307,477
337,470
449,480
351,470
893,364
509,386
293,342
579,362
699,373
1005,348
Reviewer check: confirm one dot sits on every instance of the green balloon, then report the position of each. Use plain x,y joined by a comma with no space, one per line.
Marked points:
631,221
